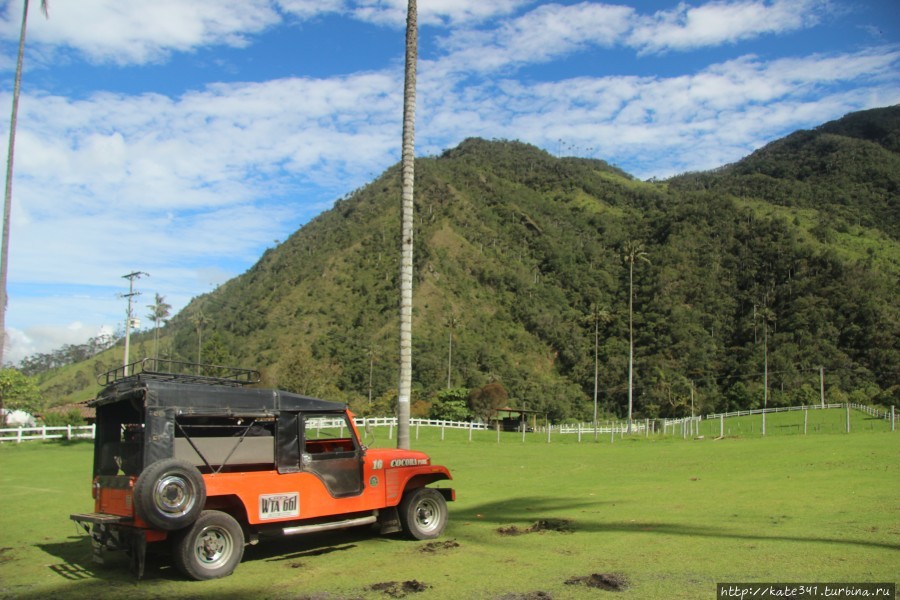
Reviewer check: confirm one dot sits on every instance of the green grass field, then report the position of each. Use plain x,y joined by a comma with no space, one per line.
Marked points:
660,517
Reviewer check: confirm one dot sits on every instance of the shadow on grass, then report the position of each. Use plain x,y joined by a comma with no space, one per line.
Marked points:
75,555
530,508
78,563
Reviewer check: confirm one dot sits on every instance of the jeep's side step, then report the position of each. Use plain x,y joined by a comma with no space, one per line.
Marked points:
329,526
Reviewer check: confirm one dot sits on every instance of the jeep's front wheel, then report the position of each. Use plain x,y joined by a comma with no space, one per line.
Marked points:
169,494
210,548
423,513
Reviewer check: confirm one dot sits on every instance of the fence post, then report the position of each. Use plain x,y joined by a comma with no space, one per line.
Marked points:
893,420
805,419
848,417
470,431
721,425
417,429
498,432
548,432
391,430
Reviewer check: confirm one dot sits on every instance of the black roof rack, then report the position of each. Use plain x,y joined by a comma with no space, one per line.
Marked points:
182,372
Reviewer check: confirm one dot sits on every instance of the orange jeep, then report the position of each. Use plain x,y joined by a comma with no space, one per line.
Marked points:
194,457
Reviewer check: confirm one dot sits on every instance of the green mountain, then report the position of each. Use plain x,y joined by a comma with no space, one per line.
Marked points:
785,262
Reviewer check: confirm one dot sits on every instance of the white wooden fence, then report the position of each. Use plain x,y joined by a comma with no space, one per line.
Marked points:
743,413
70,432
685,427
66,432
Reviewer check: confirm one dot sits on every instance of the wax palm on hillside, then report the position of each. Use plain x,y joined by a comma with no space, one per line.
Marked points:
7,202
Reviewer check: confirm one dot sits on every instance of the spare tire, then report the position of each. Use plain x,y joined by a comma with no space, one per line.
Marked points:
169,494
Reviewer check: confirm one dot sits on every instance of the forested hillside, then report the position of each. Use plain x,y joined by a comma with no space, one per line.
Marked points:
787,258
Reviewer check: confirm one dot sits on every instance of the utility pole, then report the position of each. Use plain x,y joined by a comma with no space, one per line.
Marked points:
129,319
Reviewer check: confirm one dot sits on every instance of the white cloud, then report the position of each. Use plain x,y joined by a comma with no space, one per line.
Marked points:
717,23
658,126
214,147
137,32
307,9
47,338
433,12
549,31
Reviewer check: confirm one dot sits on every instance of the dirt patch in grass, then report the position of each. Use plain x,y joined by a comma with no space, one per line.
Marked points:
559,525
5,554
435,547
611,582
539,595
399,589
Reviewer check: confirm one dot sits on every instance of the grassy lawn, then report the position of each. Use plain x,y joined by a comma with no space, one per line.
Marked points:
658,517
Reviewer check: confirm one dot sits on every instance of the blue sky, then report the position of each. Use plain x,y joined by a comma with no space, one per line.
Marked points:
182,139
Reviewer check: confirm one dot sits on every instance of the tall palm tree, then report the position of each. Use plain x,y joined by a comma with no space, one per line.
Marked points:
406,243
199,320
7,201
451,322
767,316
633,251
599,314
159,313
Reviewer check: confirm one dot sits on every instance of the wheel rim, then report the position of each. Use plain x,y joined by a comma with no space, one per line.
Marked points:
213,547
429,515
174,495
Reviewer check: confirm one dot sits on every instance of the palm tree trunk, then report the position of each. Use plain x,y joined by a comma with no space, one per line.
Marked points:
596,370
406,256
630,340
7,200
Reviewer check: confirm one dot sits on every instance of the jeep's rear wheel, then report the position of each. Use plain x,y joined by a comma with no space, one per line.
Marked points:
423,513
169,494
210,548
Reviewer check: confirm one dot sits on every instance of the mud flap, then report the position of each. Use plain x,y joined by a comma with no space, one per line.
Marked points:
100,537
389,520
98,551
138,553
